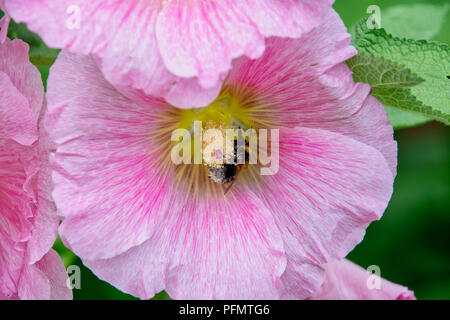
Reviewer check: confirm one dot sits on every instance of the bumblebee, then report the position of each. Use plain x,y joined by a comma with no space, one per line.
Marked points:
229,171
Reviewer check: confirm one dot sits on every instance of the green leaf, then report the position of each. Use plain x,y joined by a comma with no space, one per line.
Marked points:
421,21
381,73
20,31
384,76
429,61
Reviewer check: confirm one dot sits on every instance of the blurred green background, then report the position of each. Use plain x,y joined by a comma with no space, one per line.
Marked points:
411,242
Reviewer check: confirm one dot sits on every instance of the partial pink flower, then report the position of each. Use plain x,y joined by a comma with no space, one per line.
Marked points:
179,50
29,268
145,224
345,280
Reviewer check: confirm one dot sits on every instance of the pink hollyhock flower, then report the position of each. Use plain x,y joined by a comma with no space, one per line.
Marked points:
29,268
180,50
145,224
345,280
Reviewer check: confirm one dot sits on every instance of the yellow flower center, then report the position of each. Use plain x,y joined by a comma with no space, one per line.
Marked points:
233,109
226,111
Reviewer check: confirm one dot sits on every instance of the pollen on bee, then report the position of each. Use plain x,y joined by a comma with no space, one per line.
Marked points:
216,145
214,149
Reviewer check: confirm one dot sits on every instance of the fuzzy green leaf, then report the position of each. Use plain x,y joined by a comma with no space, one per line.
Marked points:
429,61
386,78
381,73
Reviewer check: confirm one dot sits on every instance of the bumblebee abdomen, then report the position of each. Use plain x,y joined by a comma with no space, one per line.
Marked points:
224,174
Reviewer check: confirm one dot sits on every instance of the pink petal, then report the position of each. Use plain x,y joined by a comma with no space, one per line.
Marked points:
181,92
103,162
15,211
22,93
345,280
20,115
16,161
27,225
8,297
201,38
329,187
309,84
135,41
14,62
225,249
45,221
285,18
16,120
45,280
120,35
